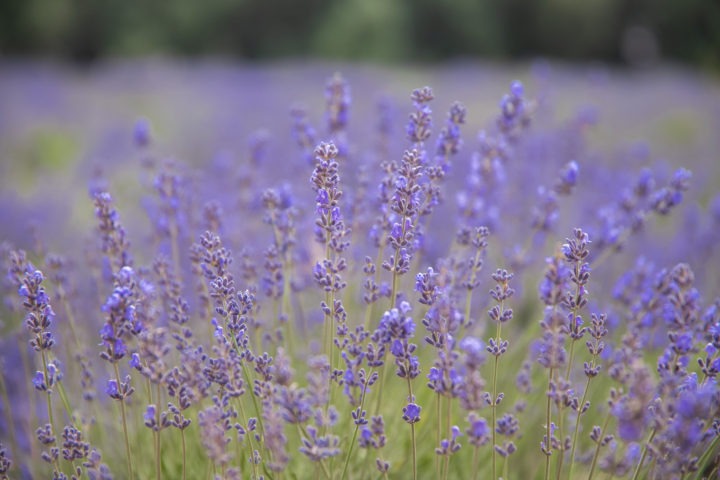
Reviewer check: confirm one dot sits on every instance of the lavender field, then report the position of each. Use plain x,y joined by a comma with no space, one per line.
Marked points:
314,270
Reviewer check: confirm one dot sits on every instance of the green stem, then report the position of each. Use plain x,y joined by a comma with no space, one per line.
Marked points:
437,433
548,431
302,432
577,428
412,430
357,425
597,448
493,414
449,423
393,291
124,423
69,315
286,308
380,384
158,468
570,357
494,396
66,404
184,455
468,297
475,460
243,418
30,394
378,261
705,457
561,436
644,454
254,400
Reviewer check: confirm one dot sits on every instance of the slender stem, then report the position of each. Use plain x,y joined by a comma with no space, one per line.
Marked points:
414,451
66,404
286,308
705,457
468,306
577,427
252,395
475,460
468,297
302,432
380,384
548,431
56,462
368,315
449,423
184,454
378,261
331,333
357,425
599,444
493,413
570,357
644,454
255,405
412,431
243,418
438,402
494,397
69,315
158,453
561,436
393,291
30,394
124,423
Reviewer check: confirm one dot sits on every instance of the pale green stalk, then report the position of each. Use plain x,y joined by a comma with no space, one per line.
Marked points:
597,448
301,431
357,426
644,454
438,398
158,469
548,432
128,452
494,395
56,463
412,433
449,423
706,456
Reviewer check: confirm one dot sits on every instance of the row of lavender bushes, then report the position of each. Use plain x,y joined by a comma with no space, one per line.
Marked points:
417,306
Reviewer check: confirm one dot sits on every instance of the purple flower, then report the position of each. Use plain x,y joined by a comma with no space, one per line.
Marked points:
397,348
119,349
112,389
477,431
135,361
149,415
411,413
39,381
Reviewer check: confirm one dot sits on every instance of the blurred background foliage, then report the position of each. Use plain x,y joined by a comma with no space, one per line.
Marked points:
627,31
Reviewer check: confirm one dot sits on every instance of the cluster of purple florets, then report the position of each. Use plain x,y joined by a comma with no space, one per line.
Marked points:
350,324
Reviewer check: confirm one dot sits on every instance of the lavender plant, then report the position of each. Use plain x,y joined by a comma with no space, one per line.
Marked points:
355,321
